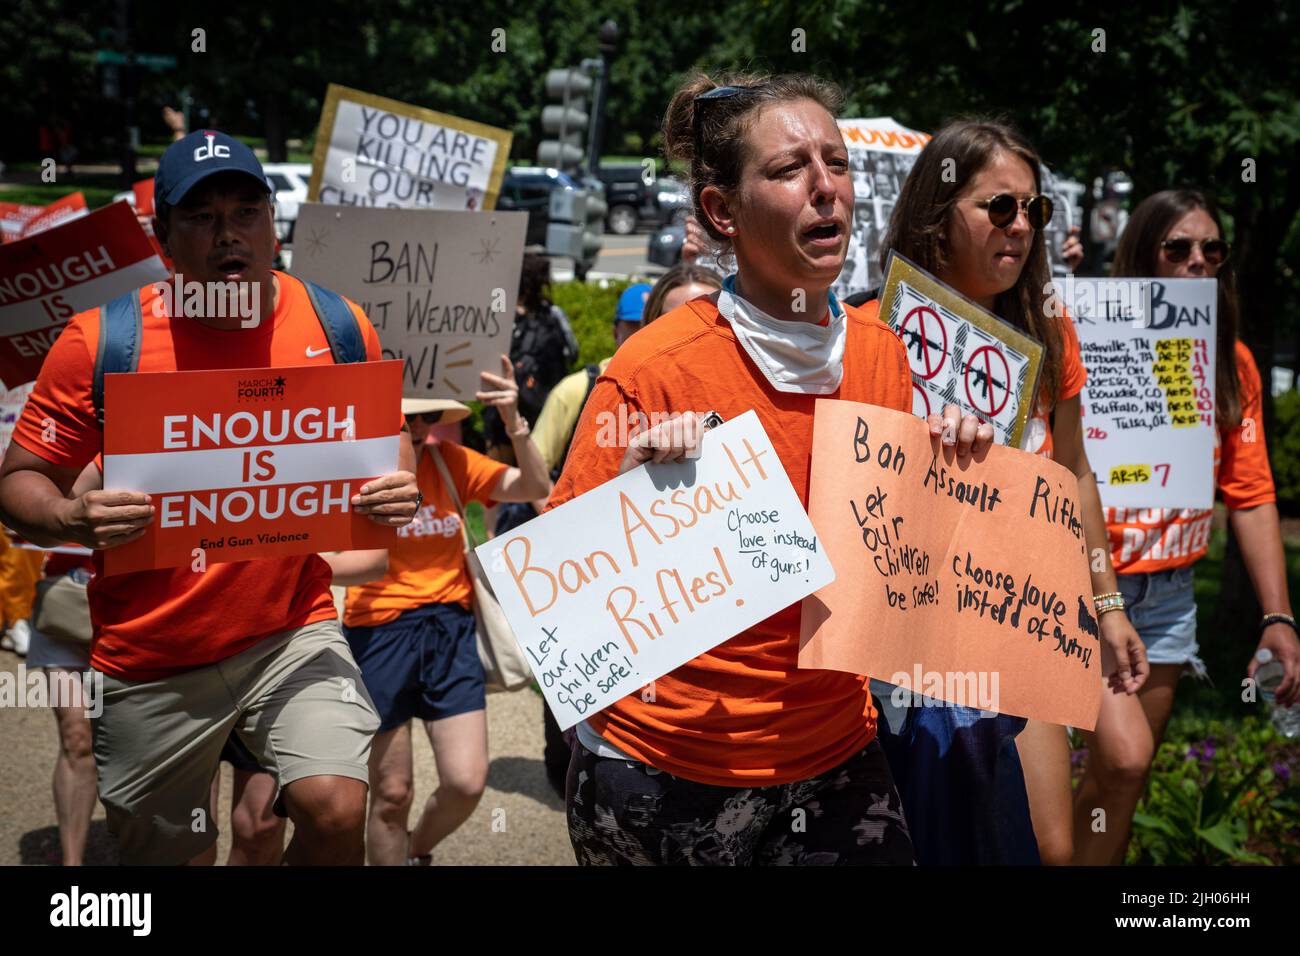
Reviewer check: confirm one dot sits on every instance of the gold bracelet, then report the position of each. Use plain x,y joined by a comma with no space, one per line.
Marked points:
1109,607
1108,594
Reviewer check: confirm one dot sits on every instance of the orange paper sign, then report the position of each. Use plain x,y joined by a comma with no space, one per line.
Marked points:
250,463
950,578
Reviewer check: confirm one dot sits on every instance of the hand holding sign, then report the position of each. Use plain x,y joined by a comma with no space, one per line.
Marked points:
674,440
106,519
390,501
964,572
673,560
968,433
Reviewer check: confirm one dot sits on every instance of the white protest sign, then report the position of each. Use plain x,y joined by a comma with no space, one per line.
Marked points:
628,582
881,154
1148,405
440,287
373,151
960,354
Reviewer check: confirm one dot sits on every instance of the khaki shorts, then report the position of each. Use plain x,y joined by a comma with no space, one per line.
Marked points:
296,700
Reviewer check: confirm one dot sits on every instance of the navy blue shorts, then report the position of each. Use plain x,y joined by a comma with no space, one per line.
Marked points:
422,664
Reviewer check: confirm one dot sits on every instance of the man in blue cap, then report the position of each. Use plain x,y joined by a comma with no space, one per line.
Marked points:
188,655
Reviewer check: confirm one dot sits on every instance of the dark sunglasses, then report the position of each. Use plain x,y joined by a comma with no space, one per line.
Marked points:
1002,209
1214,251
429,418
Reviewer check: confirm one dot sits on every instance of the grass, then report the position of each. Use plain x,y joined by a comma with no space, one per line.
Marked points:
99,190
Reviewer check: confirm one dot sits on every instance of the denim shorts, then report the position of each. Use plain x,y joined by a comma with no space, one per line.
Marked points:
1162,607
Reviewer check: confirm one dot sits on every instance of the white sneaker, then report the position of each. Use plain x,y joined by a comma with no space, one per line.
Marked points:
18,638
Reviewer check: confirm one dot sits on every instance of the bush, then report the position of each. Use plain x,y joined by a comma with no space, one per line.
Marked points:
1219,792
1284,444
590,308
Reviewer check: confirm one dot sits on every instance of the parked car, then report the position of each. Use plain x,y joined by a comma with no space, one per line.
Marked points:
289,182
635,199
528,189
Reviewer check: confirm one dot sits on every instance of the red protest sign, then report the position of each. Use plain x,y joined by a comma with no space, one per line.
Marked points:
143,191
72,206
250,463
13,217
50,277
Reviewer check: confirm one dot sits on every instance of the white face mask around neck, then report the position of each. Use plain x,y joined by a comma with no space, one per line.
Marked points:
799,357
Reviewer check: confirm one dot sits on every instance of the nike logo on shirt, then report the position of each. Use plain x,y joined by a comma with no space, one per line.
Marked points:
312,353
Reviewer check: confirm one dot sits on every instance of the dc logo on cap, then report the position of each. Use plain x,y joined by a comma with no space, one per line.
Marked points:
212,149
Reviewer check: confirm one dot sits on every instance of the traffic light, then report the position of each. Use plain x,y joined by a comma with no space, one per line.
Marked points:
593,222
566,223
566,121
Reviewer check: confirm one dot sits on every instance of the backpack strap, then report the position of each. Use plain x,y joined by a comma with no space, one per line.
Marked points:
450,484
342,331
120,324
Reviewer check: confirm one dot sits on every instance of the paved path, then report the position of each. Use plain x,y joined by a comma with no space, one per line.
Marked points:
534,831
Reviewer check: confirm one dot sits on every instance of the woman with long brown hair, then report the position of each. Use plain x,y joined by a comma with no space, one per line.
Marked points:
972,213
1177,234
738,756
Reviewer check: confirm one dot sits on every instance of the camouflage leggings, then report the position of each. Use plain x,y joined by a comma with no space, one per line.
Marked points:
622,813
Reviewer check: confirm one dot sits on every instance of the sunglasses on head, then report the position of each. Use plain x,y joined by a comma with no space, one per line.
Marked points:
1214,251
708,97
1003,207
429,418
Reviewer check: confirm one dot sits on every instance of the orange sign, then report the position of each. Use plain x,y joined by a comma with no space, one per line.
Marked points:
950,578
250,463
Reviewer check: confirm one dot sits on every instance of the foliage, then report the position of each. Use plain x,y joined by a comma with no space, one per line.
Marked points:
1284,442
1220,793
590,308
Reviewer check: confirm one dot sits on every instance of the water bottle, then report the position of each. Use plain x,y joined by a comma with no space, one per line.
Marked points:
1267,677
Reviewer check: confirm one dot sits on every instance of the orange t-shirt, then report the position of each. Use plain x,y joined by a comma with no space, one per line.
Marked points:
742,713
427,565
149,624
1146,540
1038,429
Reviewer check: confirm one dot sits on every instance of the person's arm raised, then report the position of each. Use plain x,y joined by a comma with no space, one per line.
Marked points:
531,479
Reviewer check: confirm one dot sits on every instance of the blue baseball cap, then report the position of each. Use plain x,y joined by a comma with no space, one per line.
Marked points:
631,304
189,161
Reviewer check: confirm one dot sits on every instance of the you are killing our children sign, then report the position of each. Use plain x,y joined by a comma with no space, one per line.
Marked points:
673,560
373,151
